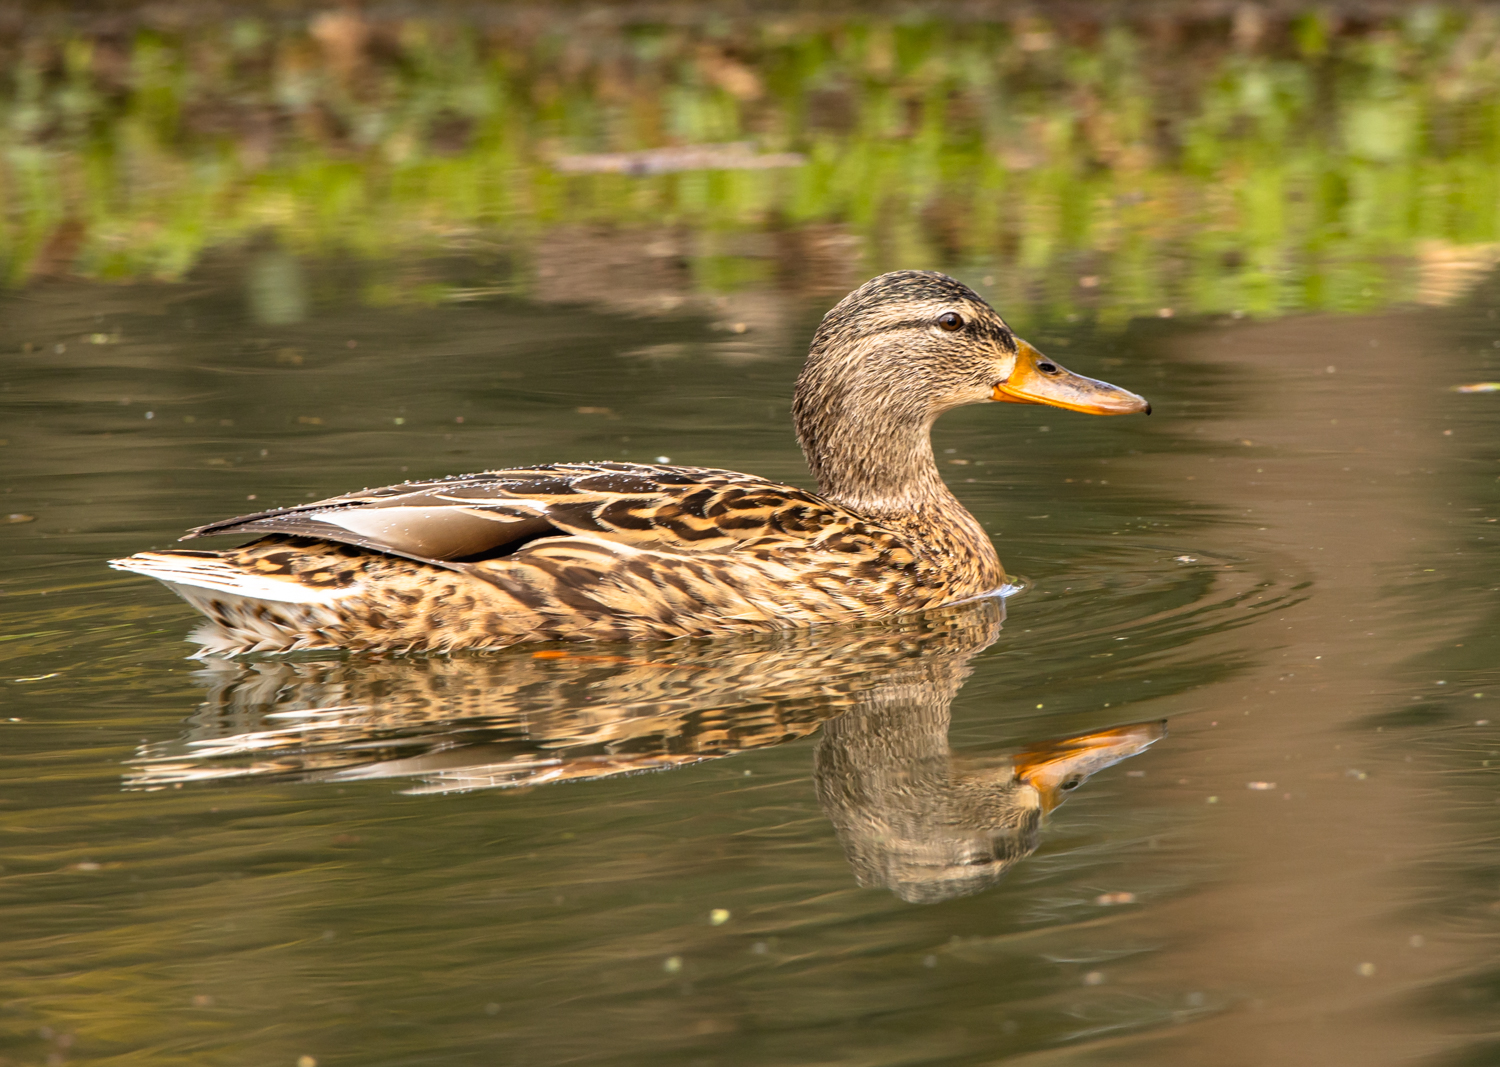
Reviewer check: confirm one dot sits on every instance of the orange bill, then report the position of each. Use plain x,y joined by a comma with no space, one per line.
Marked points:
1056,768
1038,380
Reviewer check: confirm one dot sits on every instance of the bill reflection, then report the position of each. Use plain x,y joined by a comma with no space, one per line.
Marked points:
911,815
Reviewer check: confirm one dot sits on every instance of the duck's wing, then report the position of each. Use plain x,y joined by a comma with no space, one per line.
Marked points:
467,518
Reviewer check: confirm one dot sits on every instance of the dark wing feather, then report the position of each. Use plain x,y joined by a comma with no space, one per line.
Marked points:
478,516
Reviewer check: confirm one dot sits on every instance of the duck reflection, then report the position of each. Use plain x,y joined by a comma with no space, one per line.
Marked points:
928,824
911,815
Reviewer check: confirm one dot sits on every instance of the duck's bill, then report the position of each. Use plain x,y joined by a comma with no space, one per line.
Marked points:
1056,768
1038,380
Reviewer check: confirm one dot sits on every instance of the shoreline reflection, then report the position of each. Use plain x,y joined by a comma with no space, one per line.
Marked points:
911,815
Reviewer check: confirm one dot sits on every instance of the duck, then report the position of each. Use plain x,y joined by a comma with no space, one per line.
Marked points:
614,551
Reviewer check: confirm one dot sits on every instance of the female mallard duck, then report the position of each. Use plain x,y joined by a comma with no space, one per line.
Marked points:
619,551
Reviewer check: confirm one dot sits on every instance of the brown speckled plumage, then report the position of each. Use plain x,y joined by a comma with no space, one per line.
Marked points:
617,551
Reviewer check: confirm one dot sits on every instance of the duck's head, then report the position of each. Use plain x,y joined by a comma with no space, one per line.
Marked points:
902,349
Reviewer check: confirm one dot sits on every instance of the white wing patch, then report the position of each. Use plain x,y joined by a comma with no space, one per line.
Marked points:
439,532
494,502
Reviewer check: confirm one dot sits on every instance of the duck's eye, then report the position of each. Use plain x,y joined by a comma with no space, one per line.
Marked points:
950,321
1072,784
1047,368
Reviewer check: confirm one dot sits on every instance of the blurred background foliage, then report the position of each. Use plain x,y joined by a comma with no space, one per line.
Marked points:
1080,161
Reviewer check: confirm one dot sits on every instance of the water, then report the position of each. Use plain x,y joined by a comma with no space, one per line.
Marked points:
1293,566
386,860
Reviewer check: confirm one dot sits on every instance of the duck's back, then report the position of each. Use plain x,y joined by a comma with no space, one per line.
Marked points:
600,551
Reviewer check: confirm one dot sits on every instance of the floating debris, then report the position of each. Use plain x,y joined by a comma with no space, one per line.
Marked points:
1478,387
16,518
719,916
1105,900
673,965
738,155
1260,786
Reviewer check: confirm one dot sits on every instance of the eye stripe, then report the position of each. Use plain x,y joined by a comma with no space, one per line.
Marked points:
980,327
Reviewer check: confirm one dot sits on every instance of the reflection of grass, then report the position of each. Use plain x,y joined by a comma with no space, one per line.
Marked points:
1261,165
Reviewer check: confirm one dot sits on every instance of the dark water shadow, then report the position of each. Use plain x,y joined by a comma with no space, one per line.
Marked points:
911,815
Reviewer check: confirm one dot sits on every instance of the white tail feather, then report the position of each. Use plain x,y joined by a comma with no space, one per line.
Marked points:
211,572
246,612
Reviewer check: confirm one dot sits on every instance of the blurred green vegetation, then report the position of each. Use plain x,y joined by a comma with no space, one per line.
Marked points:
1098,163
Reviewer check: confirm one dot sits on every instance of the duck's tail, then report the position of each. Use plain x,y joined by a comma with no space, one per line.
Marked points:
246,611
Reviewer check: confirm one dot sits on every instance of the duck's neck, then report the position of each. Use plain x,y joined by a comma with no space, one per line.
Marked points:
879,464
869,444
